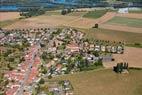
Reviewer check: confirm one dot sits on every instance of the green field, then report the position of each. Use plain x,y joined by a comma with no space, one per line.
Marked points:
95,14
126,21
76,14
52,13
135,11
105,82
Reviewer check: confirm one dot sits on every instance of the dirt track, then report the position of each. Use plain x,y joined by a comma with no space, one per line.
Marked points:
131,55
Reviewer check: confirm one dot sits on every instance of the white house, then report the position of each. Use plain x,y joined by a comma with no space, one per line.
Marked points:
123,10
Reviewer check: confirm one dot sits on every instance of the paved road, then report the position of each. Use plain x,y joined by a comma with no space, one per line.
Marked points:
21,89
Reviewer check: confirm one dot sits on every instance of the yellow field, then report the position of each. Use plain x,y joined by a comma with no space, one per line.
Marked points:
105,82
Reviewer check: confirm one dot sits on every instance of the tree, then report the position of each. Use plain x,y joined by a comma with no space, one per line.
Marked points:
42,81
99,62
44,71
63,12
96,25
96,53
121,67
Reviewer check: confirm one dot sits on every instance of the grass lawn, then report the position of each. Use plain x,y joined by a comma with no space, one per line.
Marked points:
95,14
105,82
126,21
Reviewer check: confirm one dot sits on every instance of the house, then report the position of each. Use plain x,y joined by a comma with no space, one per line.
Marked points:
108,48
2,50
103,48
58,42
97,47
52,49
114,49
58,67
123,10
120,49
91,47
73,47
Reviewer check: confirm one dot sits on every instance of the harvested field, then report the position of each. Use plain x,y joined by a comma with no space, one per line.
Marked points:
8,15
43,21
131,55
117,27
105,82
131,15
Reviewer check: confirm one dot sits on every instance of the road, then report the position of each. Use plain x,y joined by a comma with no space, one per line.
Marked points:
20,91
28,72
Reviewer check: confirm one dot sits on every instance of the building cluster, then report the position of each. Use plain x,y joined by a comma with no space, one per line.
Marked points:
59,50
60,87
67,49
22,78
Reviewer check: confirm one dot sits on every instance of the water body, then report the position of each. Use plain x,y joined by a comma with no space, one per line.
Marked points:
8,8
17,7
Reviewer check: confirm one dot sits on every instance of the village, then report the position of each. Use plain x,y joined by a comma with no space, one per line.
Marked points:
50,52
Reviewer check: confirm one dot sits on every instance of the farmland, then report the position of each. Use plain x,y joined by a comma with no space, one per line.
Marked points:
126,21
106,34
8,18
4,16
77,19
105,82
95,14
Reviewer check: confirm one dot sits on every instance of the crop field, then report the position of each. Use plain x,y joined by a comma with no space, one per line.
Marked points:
111,35
131,22
135,11
105,82
80,14
95,14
